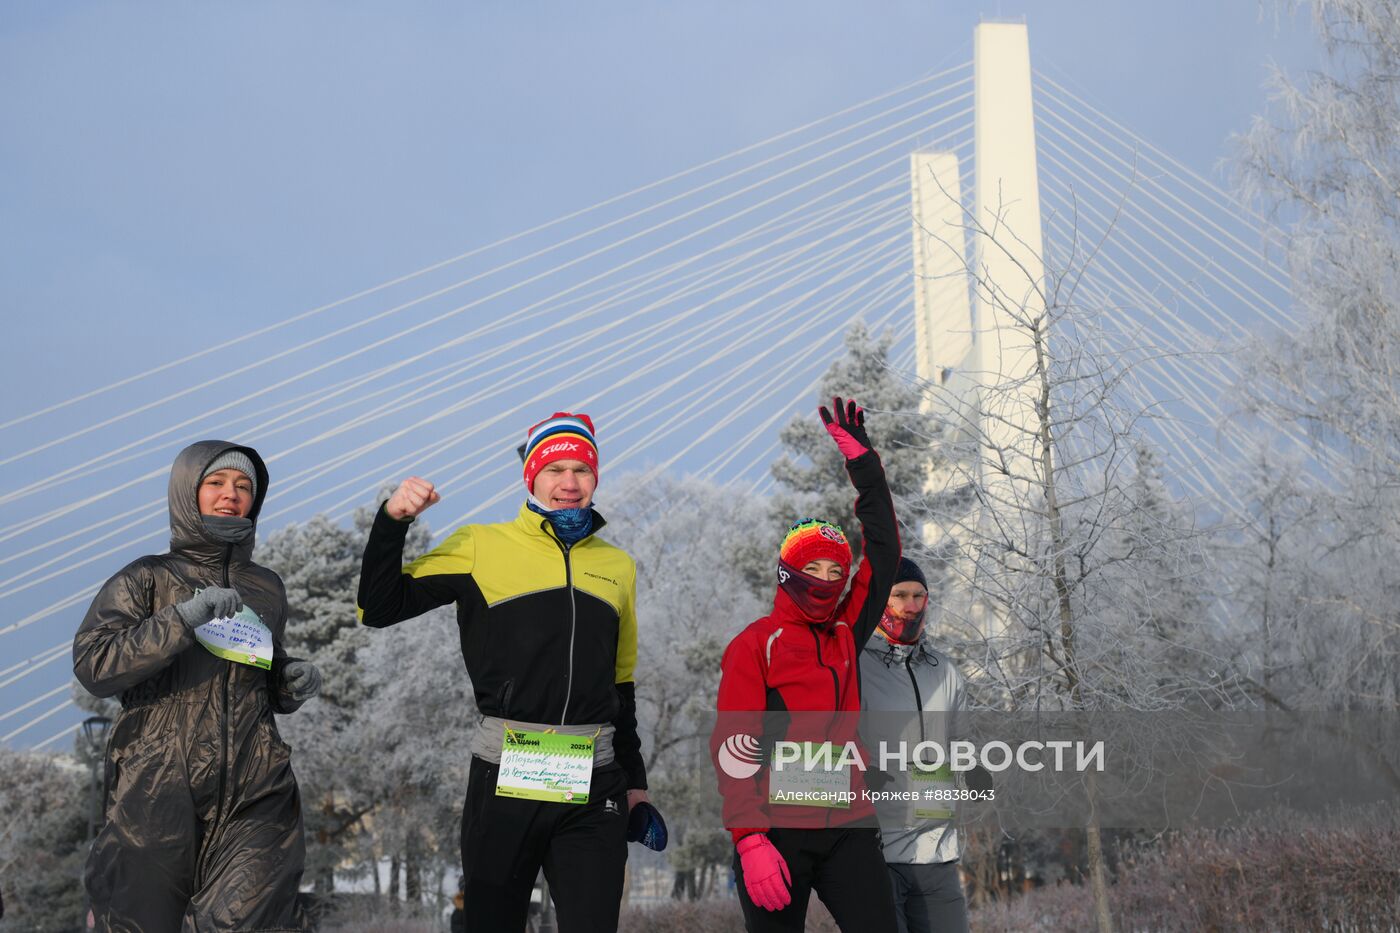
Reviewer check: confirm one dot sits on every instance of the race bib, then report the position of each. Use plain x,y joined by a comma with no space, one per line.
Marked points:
937,789
545,766
242,639
822,785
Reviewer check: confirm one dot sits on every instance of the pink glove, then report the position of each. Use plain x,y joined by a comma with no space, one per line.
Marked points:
766,874
847,428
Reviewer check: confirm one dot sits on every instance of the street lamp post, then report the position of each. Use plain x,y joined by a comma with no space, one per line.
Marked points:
95,730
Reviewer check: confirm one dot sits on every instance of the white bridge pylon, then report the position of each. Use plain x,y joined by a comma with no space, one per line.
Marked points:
967,336
962,345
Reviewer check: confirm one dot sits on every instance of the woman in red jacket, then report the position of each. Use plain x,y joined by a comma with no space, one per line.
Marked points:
803,659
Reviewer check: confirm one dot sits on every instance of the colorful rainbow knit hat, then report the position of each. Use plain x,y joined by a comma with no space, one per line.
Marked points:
561,436
814,539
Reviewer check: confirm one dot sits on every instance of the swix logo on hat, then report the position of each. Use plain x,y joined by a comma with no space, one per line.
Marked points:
561,436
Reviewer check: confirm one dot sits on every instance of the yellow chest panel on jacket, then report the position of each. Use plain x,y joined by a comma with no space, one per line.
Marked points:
508,561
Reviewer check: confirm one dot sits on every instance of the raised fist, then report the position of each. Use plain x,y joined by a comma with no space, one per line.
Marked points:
411,499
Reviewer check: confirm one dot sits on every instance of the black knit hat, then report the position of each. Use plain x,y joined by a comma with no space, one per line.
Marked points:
908,570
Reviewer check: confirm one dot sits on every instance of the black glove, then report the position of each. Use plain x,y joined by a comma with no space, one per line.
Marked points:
301,680
217,602
878,778
979,779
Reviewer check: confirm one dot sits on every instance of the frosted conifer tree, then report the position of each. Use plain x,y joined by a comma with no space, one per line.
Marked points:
811,474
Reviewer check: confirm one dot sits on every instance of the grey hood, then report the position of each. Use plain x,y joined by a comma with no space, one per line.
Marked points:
188,536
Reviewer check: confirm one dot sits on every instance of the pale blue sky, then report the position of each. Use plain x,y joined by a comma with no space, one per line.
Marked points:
163,166
173,174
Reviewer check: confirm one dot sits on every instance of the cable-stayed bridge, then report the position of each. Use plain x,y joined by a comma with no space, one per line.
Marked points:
691,316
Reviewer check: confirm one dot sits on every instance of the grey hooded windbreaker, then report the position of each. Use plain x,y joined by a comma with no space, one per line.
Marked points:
907,678
202,827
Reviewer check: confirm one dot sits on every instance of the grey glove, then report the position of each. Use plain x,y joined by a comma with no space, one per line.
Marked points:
217,602
301,679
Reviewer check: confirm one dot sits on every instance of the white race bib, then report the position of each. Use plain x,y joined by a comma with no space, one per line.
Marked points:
824,784
242,639
937,789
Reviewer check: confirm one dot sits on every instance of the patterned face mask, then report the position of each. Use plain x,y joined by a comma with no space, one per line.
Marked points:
816,599
902,631
571,525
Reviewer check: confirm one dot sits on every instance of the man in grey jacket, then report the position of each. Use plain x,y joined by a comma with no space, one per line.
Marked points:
899,672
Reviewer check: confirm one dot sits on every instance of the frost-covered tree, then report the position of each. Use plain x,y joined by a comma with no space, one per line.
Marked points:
319,561
1080,577
1269,569
1324,161
319,564
1076,579
691,599
414,734
811,476
43,840
1155,565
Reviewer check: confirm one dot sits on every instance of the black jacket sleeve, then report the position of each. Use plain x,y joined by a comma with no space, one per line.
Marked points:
627,744
880,529
388,594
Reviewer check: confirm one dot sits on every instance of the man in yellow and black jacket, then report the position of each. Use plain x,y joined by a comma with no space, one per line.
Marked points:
549,635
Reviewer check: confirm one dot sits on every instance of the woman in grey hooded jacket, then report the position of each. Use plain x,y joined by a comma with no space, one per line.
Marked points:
202,824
